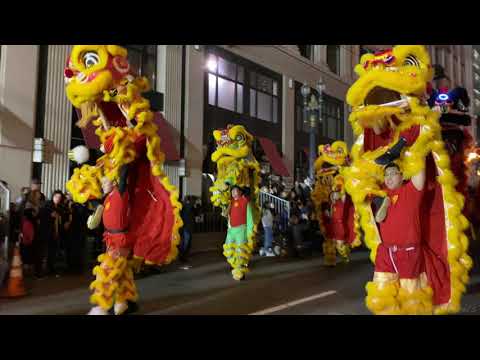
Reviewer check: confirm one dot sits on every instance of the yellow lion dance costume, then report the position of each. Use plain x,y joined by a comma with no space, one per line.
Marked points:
237,167
333,207
100,82
388,109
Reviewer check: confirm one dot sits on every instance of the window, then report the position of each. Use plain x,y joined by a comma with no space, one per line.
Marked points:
242,87
302,125
143,60
264,93
332,116
333,58
306,51
225,84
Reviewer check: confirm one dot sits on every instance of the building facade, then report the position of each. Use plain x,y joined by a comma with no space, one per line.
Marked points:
202,88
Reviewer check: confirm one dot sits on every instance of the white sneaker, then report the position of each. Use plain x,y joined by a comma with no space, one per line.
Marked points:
97,310
261,252
269,253
120,308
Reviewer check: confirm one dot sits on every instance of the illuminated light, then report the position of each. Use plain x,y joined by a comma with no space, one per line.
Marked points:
443,97
212,65
472,156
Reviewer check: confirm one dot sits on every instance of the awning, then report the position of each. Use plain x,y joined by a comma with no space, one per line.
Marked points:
167,145
273,156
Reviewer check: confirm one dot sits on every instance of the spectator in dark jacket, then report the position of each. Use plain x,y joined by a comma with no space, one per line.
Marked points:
187,215
76,234
52,218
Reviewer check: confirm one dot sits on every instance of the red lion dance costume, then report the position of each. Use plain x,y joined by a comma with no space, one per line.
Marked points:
141,208
334,207
393,122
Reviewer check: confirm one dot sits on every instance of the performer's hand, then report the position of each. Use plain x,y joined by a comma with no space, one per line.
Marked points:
94,220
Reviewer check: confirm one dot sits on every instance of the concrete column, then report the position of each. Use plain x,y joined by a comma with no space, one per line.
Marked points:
18,94
288,125
171,79
58,120
194,103
469,83
323,54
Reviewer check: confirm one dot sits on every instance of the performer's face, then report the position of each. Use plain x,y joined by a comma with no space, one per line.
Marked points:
236,193
57,199
393,178
107,185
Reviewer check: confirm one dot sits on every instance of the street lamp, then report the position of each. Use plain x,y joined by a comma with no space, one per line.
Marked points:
312,113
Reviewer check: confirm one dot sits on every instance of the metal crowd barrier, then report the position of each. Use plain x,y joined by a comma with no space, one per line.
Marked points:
211,221
281,207
5,228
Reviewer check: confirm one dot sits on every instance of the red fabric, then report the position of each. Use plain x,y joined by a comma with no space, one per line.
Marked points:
115,214
434,237
167,144
338,220
151,216
350,220
342,225
328,226
118,241
373,141
113,114
401,227
273,156
108,144
434,241
28,232
238,211
407,261
91,139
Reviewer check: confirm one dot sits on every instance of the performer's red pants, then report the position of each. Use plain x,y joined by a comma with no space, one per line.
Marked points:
405,261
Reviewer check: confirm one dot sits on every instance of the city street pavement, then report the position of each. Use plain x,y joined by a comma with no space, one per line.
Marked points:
275,286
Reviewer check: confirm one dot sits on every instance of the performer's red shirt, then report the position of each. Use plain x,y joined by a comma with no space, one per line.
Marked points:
115,214
401,227
238,211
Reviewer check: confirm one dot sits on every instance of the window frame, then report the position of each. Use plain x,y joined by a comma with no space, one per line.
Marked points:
145,55
248,68
337,60
236,82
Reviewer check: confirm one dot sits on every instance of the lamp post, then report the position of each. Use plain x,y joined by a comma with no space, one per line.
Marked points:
312,113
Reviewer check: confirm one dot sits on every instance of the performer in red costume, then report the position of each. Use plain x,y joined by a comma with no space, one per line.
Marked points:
431,209
400,253
114,284
342,224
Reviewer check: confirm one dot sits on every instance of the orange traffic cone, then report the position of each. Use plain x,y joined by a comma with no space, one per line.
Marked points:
15,287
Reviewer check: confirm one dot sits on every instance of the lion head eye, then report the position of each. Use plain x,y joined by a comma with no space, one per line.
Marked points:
411,60
239,138
90,59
